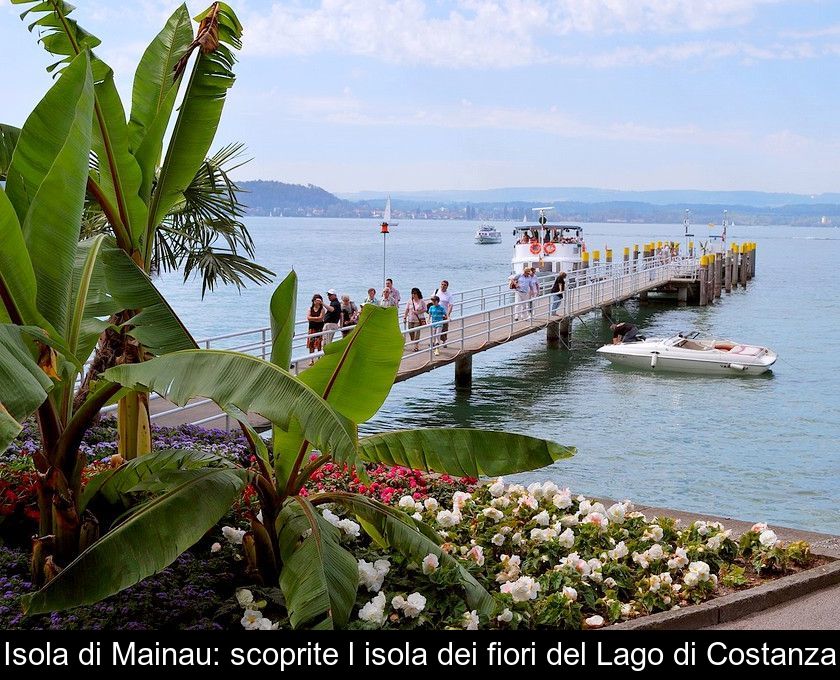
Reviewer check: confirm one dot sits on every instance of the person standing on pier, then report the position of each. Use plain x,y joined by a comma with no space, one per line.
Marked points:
445,302
415,315
387,300
371,298
395,294
437,314
558,289
534,291
349,314
332,317
523,293
315,317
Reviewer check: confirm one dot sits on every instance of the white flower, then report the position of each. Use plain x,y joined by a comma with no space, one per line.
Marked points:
767,538
216,547
599,508
574,561
679,560
701,569
597,519
570,593
349,527
626,610
510,568
476,554
653,532
374,611
569,520
759,527
549,489
448,518
655,552
406,502
414,604
498,539
251,619
331,517
430,564
566,539
702,527
417,516
493,513
691,579
372,575
619,552
641,559
459,498
500,502
265,624
516,539
594,621
529,502
542,535
535,489
615,513
233,536
610,582
654,583
542,518
497,488
506,616
562,500
665,577
471,620
584,507
431,504
244,597
523,589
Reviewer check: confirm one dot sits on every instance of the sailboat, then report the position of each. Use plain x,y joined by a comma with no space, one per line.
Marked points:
386,216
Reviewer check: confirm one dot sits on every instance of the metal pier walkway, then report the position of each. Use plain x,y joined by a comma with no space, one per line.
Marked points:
481,319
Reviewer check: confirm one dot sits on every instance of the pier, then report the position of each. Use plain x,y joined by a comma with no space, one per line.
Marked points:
487,317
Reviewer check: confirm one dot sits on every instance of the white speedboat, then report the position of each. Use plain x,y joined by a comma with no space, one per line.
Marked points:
488,234
692,353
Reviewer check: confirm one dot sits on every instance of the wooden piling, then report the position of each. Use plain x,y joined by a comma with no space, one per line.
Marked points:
635,258
608,255
552,334
743,265
704,278
718,265
727,272
463,372
691,248
682,295
565,330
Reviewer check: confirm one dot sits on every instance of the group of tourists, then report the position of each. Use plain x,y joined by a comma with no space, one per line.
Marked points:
325,318
527,286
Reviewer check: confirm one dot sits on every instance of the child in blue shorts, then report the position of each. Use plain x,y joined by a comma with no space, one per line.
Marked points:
437,314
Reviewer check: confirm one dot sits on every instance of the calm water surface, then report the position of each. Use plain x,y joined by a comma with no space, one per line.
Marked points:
761,448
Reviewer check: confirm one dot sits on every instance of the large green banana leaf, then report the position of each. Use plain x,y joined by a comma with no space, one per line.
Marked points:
23,385
154,93
248,383
8,140
200,111
46,185
391,528
282,313
107,281
319,578
355,376
17,276
114,485
147,541
462,451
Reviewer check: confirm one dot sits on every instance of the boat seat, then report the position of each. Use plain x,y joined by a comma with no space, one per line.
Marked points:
746,350
725,346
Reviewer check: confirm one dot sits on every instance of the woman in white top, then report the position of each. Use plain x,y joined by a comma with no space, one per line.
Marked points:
415,315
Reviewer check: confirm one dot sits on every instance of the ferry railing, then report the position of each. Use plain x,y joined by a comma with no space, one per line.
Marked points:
473,317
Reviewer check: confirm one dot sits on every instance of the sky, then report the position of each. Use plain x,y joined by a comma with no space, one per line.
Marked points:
355,95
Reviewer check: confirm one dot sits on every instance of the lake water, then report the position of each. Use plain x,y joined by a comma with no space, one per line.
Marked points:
763,449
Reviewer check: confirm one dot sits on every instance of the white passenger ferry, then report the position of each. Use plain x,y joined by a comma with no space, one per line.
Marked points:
488,234
547,247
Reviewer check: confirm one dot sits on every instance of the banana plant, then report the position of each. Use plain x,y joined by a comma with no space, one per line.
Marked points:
315,418
135,182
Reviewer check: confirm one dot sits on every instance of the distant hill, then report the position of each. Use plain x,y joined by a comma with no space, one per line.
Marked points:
291,200
539,195
590,205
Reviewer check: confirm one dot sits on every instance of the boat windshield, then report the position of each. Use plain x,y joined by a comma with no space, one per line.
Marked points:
554,233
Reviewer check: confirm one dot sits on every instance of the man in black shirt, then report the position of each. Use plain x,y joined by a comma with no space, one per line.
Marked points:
623,332
332,317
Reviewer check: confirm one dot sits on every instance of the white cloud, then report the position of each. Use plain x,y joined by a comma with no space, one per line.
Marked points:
476,33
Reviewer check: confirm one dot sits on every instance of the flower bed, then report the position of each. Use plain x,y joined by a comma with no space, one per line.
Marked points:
549,559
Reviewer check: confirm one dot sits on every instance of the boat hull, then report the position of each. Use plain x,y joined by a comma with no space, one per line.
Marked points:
487,240
657,358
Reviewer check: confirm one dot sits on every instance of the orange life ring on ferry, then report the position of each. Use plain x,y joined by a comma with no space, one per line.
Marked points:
535,248
549,248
